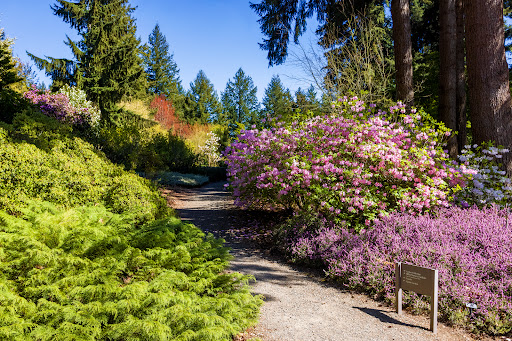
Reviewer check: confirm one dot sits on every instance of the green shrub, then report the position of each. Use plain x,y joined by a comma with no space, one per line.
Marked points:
41,159
133,143
88,274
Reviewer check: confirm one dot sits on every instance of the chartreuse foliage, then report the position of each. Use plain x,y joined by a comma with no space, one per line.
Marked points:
41,159
89,274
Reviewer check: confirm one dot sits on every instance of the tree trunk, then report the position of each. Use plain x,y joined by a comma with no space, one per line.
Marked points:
401,16
488,79
462,136
447,74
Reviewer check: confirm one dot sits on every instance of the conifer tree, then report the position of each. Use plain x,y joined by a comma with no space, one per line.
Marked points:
106,61
161,69
8,69
278,101
9,79
207,107
239,100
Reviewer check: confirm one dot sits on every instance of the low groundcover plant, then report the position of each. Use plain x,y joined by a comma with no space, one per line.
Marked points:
471,248
89,274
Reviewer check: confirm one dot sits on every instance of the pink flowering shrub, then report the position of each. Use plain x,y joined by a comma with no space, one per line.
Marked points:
355,166
471,248
58,106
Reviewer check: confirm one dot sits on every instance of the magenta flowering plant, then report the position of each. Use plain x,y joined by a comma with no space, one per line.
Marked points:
355,166
58,106
471,249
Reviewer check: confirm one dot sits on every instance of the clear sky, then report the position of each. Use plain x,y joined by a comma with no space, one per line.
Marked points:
217,36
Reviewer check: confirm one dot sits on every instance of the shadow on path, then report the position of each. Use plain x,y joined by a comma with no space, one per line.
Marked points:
383,316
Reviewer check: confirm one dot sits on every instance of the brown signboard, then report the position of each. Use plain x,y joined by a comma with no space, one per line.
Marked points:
418,279
423,281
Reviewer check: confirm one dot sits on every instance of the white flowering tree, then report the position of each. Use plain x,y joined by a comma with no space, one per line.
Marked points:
210,150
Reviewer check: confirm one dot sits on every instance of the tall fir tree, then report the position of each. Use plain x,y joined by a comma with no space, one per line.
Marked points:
277,101
106,61
161,70
239,101
206,105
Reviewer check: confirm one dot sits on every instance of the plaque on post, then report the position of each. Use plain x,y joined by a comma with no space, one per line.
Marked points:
423,281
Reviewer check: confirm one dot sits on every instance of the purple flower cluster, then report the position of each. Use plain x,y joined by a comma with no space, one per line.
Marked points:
471,248
57,106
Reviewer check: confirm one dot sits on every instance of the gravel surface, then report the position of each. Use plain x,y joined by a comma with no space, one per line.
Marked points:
299,306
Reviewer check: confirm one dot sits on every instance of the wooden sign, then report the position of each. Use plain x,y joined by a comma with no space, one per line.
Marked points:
423,281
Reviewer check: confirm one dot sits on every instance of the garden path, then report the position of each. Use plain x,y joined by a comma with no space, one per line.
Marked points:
299,306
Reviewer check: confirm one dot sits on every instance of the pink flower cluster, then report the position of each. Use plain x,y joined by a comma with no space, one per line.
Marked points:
57,106
355,166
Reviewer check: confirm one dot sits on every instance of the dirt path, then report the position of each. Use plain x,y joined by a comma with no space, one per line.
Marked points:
300,306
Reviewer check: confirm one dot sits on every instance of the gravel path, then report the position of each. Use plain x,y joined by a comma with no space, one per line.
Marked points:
299,306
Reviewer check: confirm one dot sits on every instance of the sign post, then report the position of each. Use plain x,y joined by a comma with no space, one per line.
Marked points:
423,281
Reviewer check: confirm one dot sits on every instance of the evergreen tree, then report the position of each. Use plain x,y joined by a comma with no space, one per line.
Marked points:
106,61
207,107
239,100
10,80
161,70
311,97
277,102
8,67
277,19
306,101
300,100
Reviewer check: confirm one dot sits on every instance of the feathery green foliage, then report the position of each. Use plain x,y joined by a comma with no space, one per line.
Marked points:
88,274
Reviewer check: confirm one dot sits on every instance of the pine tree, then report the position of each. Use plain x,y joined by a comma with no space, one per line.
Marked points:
206,105
161,69
106,61
239,100
277,102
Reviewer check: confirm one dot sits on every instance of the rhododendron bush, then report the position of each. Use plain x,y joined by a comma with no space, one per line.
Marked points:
471,248
355,166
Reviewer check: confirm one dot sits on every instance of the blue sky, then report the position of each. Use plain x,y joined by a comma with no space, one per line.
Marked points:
216,36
